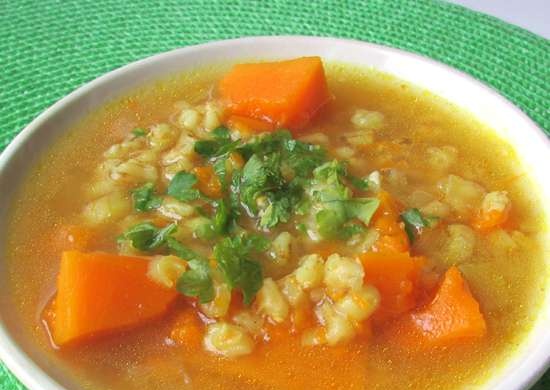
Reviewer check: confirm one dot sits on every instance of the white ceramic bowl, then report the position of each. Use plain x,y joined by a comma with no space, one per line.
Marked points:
29,364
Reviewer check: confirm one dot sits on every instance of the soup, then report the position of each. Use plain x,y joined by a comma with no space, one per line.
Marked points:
280,225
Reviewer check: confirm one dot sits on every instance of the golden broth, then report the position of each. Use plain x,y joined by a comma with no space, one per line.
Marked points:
509,288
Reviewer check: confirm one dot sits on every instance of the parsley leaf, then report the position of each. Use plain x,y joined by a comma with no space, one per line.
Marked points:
255,180
329,223
139,132
303,158
282,204
145,236
229,261
222,217
197,280
181,251
238,270
220,170
251,280
361,208
181,187
327,185
336,221
277,167
219,145
221,133
299,156
144,198
414,222
359,183
337,207
202,228
234,189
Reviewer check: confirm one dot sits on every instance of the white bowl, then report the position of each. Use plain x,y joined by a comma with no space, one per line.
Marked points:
29,364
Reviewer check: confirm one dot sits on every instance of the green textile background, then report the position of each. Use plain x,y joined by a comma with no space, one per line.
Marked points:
50,47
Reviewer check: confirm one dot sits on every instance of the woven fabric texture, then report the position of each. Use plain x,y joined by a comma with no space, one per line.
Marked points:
48,48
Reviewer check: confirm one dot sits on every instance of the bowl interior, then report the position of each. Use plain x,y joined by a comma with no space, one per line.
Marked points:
31,366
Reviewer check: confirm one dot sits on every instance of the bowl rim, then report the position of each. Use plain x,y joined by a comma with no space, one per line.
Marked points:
34,377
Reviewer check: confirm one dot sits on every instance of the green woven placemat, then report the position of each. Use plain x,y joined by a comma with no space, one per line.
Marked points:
48,48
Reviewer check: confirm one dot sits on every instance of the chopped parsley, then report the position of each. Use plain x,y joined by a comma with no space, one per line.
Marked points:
359,183
139,132
197,280
338,213
219,145
415,222
233,256
277,170
144,198
181,187
146,237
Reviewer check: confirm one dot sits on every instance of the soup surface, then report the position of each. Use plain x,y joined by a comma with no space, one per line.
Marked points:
194,243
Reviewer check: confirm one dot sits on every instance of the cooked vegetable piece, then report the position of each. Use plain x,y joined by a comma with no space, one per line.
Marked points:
392,243
452,317
490,220
286,93
494,211
396,276
187,329
208,182
386,221
100,293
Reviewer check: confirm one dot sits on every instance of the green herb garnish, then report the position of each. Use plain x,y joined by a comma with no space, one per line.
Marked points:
181,187
197,281
238,269
338,210
219,145
359,183
144,198
414,223
139,132
145,236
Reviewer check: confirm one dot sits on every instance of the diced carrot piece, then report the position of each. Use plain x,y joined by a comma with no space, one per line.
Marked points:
75,237
285,93
386,221
485,221
392,243
236,160
208,182
396,276
452,317
248,125
100,293
388,206
188,330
